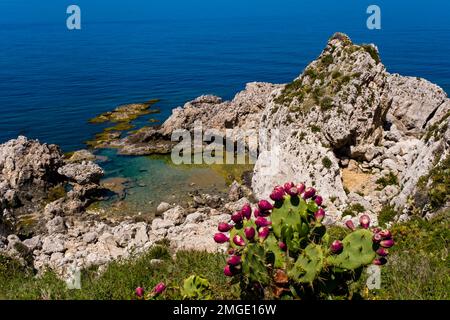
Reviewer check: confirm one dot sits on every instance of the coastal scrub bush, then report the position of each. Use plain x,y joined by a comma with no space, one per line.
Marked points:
326,103
389,180
282,249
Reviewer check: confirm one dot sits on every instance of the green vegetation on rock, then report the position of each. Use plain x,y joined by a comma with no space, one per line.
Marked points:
372,51
354,209
326,162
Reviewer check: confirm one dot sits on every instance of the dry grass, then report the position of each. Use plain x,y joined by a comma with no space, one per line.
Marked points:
357,182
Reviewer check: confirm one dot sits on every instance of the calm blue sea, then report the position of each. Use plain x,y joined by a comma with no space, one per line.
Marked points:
53,80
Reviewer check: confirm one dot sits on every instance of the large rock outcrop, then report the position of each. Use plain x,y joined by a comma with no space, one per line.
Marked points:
28,167
33,179
210,112
345,109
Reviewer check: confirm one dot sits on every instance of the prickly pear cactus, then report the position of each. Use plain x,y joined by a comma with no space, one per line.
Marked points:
358,251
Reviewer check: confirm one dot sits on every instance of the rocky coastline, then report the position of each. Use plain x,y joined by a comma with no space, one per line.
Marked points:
365,138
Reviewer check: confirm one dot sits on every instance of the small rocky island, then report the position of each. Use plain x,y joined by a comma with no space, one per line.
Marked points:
365,138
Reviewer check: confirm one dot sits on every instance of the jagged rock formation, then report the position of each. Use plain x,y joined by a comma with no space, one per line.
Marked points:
32,174
243,112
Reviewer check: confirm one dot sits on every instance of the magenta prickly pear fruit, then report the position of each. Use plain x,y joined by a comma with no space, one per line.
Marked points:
262,222
387,243
221,238
225,227
309,193
256,213
382,252
249,233
349,224
237,217
234,260
380,261
318,200
319,215
282,246
247,211
227,271
293,192
265,205
231,251
385,234
336,247
159,288
377,238
139,292
364,221
300,188
263,233
237,239
288,185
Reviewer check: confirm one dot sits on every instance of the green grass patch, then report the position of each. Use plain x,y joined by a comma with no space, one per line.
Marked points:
120,279
418,264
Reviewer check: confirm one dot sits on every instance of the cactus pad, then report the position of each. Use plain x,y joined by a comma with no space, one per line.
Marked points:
308,265
254,263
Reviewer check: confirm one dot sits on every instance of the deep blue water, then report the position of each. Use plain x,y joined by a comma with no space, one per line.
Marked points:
53,80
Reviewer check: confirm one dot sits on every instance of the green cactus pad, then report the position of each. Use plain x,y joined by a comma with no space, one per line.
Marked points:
308,265
358,251
254,263
289,214
271,245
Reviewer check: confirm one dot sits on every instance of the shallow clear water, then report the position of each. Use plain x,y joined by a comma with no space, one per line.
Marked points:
151,180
